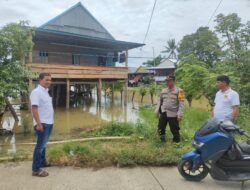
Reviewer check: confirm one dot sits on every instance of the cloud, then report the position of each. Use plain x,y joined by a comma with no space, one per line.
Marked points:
127,20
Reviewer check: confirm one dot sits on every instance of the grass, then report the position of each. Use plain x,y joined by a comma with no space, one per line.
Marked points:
144,148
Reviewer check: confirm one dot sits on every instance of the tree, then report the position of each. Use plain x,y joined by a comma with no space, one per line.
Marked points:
156,61
171,49
142,91
15,44
204,44
230,28
236,40
152,92
191,74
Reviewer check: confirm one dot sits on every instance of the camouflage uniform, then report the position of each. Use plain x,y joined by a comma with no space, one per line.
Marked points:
170,106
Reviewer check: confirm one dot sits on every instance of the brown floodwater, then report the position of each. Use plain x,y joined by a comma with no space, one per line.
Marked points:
69,124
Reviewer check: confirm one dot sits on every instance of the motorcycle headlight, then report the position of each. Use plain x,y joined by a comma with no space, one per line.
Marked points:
197,144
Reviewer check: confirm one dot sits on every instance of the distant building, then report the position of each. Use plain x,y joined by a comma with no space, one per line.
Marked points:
138,75
165,68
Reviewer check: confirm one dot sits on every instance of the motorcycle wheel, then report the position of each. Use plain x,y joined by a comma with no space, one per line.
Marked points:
185,169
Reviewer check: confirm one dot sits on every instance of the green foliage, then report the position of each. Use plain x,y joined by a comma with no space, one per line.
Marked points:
142,91
119,86
15,41
204,44
197,79
144,148
202,47
15,44
152,91
236,38
230,27
116,129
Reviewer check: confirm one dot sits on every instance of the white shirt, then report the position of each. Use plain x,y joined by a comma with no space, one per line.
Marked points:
224,101
41,98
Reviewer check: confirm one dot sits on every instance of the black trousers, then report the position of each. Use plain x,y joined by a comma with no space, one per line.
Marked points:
174,126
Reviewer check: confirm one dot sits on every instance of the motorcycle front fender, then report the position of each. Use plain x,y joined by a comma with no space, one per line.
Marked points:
194,156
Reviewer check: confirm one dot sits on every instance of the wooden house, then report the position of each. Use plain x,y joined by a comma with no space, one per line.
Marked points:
138,75
76,49
166,67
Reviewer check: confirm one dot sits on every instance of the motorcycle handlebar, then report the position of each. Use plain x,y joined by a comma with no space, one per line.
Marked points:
238,129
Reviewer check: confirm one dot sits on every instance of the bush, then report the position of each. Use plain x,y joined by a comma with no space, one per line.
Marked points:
116,129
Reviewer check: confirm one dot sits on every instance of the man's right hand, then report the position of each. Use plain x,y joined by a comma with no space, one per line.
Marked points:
39,127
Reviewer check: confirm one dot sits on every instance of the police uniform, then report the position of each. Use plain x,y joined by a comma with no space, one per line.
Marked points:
169,107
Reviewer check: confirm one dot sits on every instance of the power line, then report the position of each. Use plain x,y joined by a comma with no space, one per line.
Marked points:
151,16
214,12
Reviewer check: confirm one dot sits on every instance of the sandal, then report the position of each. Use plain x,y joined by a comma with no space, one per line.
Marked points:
40,173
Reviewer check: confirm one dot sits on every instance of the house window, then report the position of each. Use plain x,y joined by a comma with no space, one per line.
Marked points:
43,56
76,59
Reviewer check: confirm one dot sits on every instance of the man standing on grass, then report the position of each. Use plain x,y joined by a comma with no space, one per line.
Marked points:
170,109
43,118
226,101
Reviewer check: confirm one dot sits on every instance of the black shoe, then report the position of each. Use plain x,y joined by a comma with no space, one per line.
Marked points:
176,140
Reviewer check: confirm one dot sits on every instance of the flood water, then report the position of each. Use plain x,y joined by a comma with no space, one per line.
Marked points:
69,124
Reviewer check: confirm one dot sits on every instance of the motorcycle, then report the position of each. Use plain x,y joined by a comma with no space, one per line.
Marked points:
216,152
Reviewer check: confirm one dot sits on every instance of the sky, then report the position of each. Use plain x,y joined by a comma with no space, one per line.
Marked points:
127,20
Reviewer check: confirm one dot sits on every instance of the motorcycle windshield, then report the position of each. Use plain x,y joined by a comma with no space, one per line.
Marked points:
211,126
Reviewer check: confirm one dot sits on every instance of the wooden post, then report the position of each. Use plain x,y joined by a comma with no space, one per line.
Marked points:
67,93
113,91
99,92
126,82
58,89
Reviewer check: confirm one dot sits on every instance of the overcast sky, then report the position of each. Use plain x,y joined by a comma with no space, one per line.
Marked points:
128,19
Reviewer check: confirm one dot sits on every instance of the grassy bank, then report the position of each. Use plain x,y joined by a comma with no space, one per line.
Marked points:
144,148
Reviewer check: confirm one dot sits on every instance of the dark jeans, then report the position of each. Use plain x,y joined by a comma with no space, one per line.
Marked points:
39,158
174,127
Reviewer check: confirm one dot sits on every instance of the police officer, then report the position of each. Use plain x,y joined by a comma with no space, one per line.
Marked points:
170,109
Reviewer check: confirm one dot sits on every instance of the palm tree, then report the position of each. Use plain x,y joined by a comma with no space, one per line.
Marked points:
171,49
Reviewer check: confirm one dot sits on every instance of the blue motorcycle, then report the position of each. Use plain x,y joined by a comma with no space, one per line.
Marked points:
217,153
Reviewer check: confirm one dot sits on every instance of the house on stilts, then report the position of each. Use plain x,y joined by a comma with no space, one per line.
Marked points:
77,50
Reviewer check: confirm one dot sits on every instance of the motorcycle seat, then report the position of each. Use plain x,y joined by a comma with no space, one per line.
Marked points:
245,147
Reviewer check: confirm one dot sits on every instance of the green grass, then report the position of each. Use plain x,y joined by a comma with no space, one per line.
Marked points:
144,148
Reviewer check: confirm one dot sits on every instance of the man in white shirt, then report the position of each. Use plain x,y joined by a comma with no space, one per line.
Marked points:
227,101
43,119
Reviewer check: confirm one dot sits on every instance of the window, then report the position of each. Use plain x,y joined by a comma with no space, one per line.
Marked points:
43,56
76,59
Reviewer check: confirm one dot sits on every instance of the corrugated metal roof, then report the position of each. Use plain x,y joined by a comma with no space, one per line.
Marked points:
78,23
131,70
166,64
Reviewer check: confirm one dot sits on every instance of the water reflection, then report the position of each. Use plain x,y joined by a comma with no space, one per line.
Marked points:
83,116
